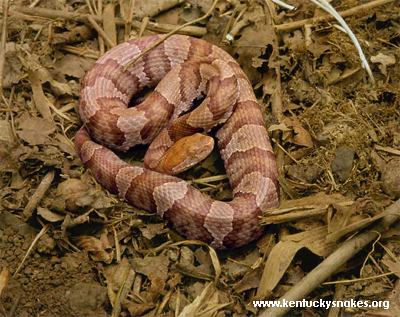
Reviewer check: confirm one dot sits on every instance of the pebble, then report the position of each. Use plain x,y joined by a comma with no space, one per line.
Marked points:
343,162
391,178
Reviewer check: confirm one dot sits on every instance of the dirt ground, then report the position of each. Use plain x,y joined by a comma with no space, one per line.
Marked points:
70,248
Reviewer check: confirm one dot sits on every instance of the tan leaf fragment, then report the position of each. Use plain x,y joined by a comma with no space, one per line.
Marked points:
302,137
152,229
311,206
283,253
58,88
49,215
109,22
35,131
384,61
96,248
205,305
72,65
115,275
154,267
41,102
4,279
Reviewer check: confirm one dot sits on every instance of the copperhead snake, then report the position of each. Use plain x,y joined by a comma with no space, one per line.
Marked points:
190,68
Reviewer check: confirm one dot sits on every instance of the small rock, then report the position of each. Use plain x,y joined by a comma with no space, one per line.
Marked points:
391,178
343,162
304,173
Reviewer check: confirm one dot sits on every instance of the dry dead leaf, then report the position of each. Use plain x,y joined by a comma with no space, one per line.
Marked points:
13,69
384,61
115,275
311,206
278,261
58,88
341,218
205,305
154,267
42,104
318,49
79,193
152,8
314,240
249,281
137,309
72,65
249,50
98,251
35,130
294,40
65,144
4,279
49,215
393,265
302,137
283,253
152,229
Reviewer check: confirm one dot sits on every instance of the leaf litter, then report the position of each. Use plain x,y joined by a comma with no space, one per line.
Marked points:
102,257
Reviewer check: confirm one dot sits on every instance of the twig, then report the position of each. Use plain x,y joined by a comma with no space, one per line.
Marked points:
3,44
101,32
164,301
14,306
128,21
145,21
57,14
100,12
37,196
355,280
156,43
353,11
337,259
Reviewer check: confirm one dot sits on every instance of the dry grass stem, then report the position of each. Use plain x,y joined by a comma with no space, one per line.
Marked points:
57,14
101,32
353,11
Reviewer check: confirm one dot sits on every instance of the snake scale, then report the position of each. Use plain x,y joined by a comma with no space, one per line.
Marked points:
184,69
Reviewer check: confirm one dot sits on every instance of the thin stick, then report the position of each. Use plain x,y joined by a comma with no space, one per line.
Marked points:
101,32
64,15
336,260
171,33
100,12
353,11
37,196
361,279
128,22
3,44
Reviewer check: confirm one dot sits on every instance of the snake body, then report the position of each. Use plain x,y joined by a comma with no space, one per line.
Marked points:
193,68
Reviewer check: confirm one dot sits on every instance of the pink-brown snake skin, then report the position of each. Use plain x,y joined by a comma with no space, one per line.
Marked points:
198,68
